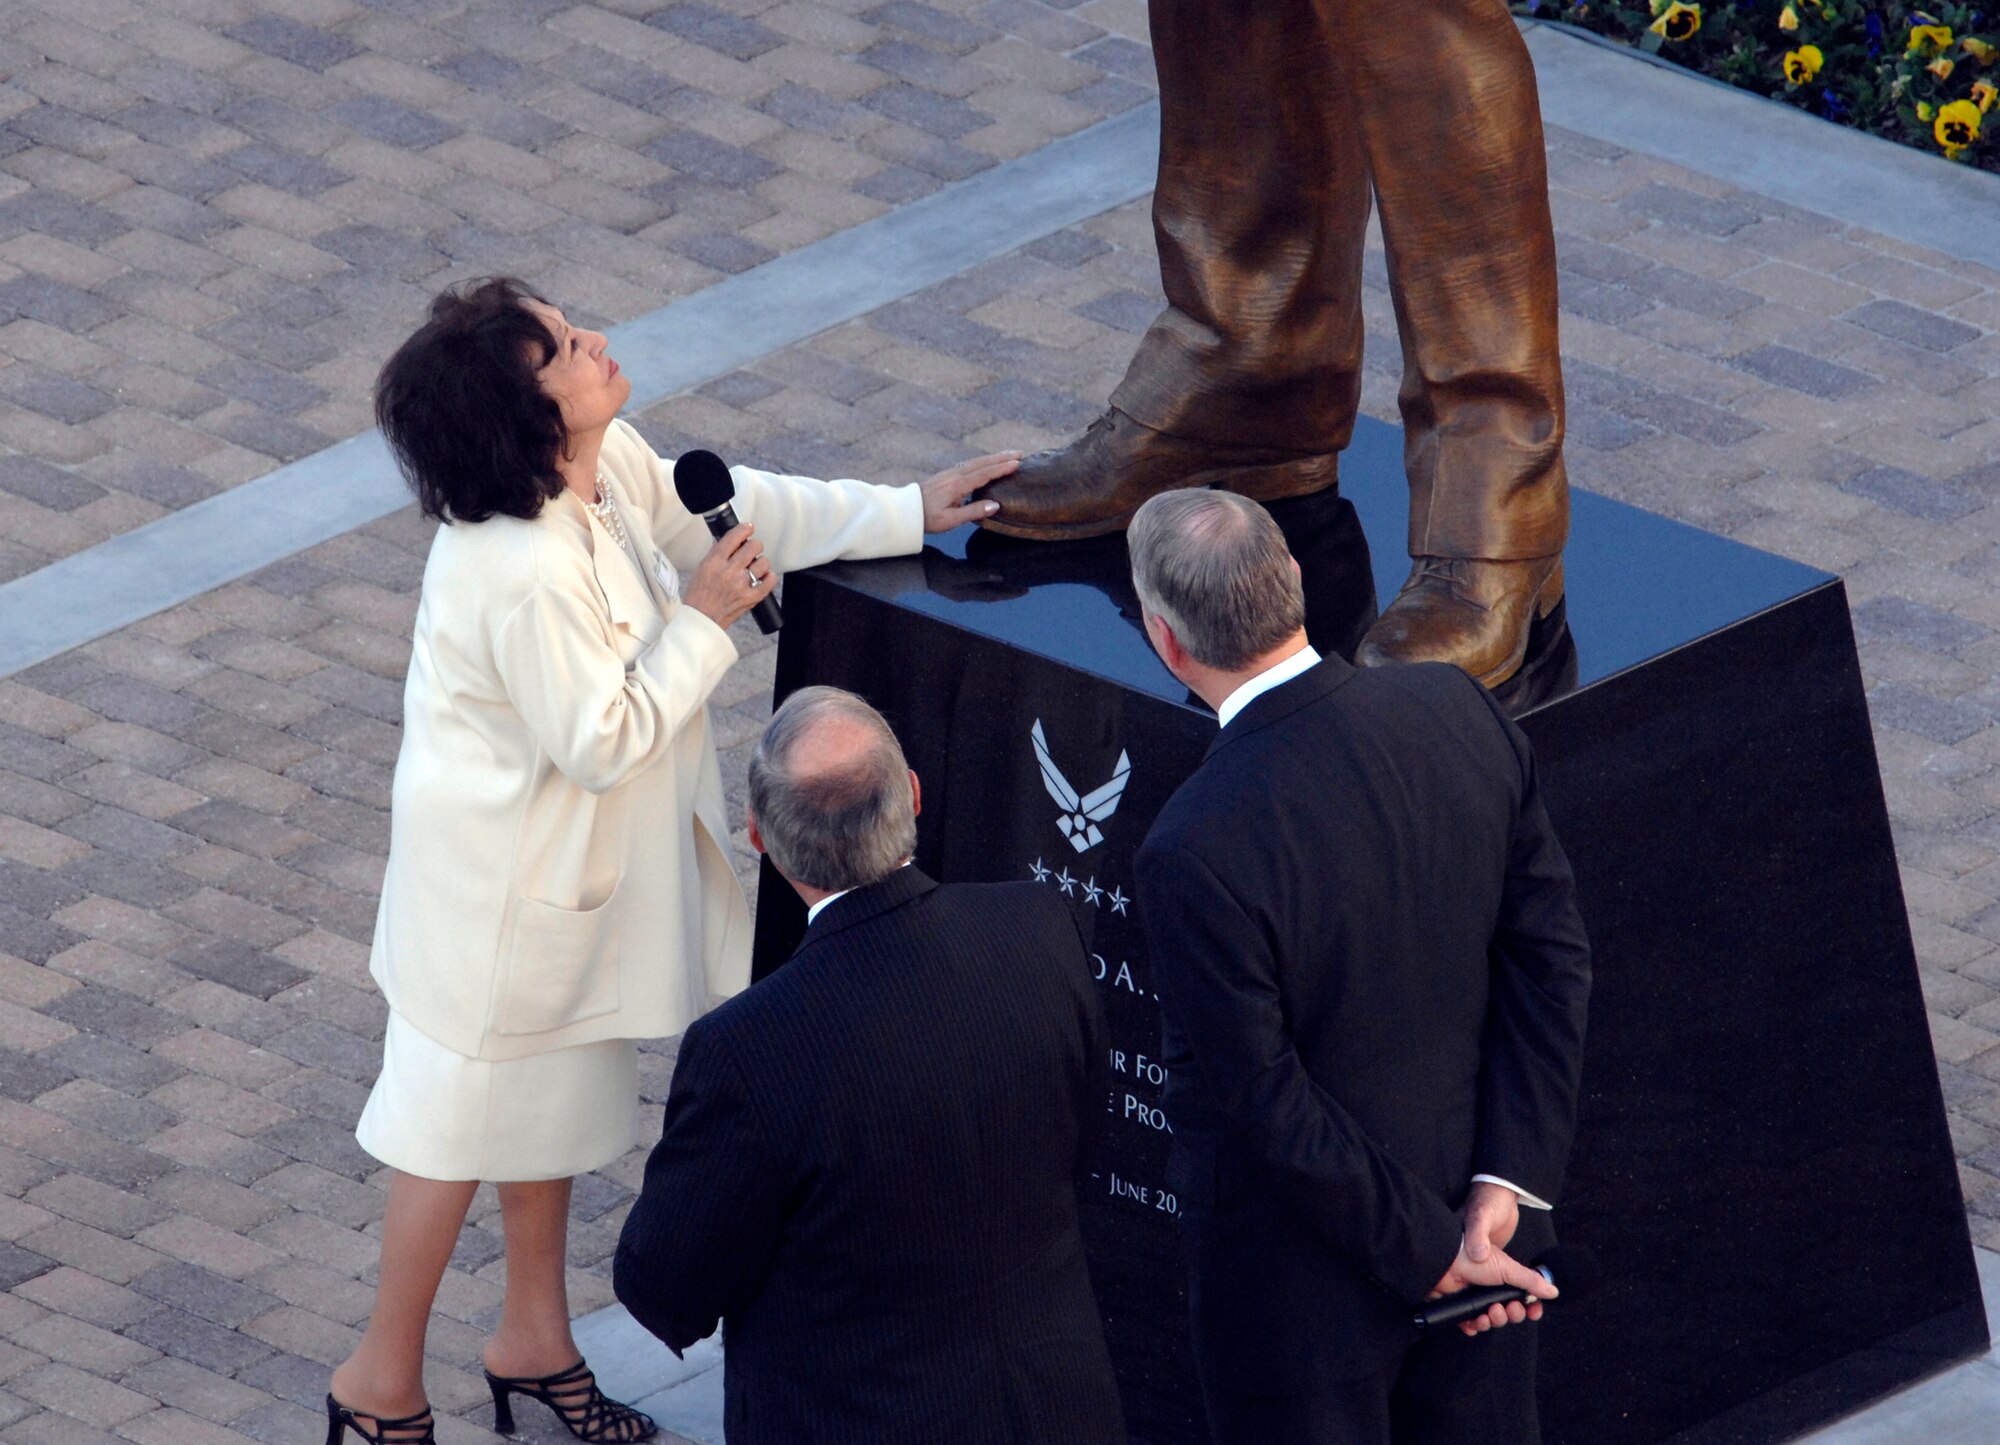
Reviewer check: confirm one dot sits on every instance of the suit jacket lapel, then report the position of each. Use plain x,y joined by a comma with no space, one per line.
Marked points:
903,886
1284,700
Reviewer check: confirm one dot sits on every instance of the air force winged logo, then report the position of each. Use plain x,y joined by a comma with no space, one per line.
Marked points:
1081,814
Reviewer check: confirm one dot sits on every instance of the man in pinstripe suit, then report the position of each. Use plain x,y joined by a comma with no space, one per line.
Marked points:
866,1169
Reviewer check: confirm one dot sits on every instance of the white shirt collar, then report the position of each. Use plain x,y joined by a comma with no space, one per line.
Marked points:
820,907
1304,660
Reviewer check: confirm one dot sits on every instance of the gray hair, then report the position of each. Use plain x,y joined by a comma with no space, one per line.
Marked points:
834,828
1215,568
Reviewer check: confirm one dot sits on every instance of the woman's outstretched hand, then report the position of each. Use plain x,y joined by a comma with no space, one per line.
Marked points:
945,504
733,578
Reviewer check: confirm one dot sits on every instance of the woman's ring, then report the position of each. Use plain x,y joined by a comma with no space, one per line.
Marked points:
755,580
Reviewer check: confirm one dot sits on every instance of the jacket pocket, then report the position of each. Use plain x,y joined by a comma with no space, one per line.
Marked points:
561,967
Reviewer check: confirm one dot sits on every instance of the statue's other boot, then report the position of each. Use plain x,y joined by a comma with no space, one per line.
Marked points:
1098,481
1467,611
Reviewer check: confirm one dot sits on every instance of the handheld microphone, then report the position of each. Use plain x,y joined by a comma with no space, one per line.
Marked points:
706,489
1569,1267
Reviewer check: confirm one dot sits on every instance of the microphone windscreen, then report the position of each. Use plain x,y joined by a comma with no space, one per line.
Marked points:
1573,1267
703,481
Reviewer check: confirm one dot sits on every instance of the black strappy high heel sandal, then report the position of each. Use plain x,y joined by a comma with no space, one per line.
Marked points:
573,1394
417,1429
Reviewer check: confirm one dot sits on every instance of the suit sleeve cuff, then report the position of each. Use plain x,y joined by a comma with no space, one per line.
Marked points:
1528,1200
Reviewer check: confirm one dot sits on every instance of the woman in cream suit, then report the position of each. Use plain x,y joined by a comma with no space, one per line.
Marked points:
559,881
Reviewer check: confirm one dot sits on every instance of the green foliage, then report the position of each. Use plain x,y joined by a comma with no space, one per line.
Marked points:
1875,68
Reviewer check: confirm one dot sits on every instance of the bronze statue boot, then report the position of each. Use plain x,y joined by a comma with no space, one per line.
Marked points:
1466,611
1098,481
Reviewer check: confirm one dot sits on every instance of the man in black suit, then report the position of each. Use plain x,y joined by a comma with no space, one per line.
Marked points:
867,1167
1374,981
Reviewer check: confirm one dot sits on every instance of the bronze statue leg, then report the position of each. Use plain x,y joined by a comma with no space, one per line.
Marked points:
1449,116
1251,376
1260,215
1462,182
1274,118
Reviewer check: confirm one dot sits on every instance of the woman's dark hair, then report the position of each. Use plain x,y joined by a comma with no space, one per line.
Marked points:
463,410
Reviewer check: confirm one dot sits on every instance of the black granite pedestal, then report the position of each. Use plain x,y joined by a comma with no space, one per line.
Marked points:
1761,1164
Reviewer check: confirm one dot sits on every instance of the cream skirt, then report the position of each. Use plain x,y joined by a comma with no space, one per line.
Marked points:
440,1115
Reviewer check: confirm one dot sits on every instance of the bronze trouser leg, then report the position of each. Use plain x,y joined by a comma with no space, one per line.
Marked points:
1448,112
1260,213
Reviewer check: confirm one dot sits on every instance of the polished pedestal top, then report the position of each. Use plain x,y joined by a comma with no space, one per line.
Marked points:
1640,585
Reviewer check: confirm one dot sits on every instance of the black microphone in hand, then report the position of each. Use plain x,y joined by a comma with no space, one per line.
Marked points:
1569,1267
707,489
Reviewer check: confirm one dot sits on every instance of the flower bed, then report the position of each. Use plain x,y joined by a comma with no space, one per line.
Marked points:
1926,78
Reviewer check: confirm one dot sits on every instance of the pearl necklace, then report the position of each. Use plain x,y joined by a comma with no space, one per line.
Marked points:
605,509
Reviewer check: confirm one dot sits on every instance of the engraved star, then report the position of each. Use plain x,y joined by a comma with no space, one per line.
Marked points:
1068,883
1091,892
1118,900
1038,872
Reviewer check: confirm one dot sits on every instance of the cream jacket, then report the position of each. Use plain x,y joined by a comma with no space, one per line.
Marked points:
559,868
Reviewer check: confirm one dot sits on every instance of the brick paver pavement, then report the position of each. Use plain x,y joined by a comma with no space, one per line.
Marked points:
192,816
217,216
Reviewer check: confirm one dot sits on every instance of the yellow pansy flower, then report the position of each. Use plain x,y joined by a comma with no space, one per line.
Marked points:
1983,95
1788,19
1941,68
1677,21
1979,50
1957,127
1803,64
1928,39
